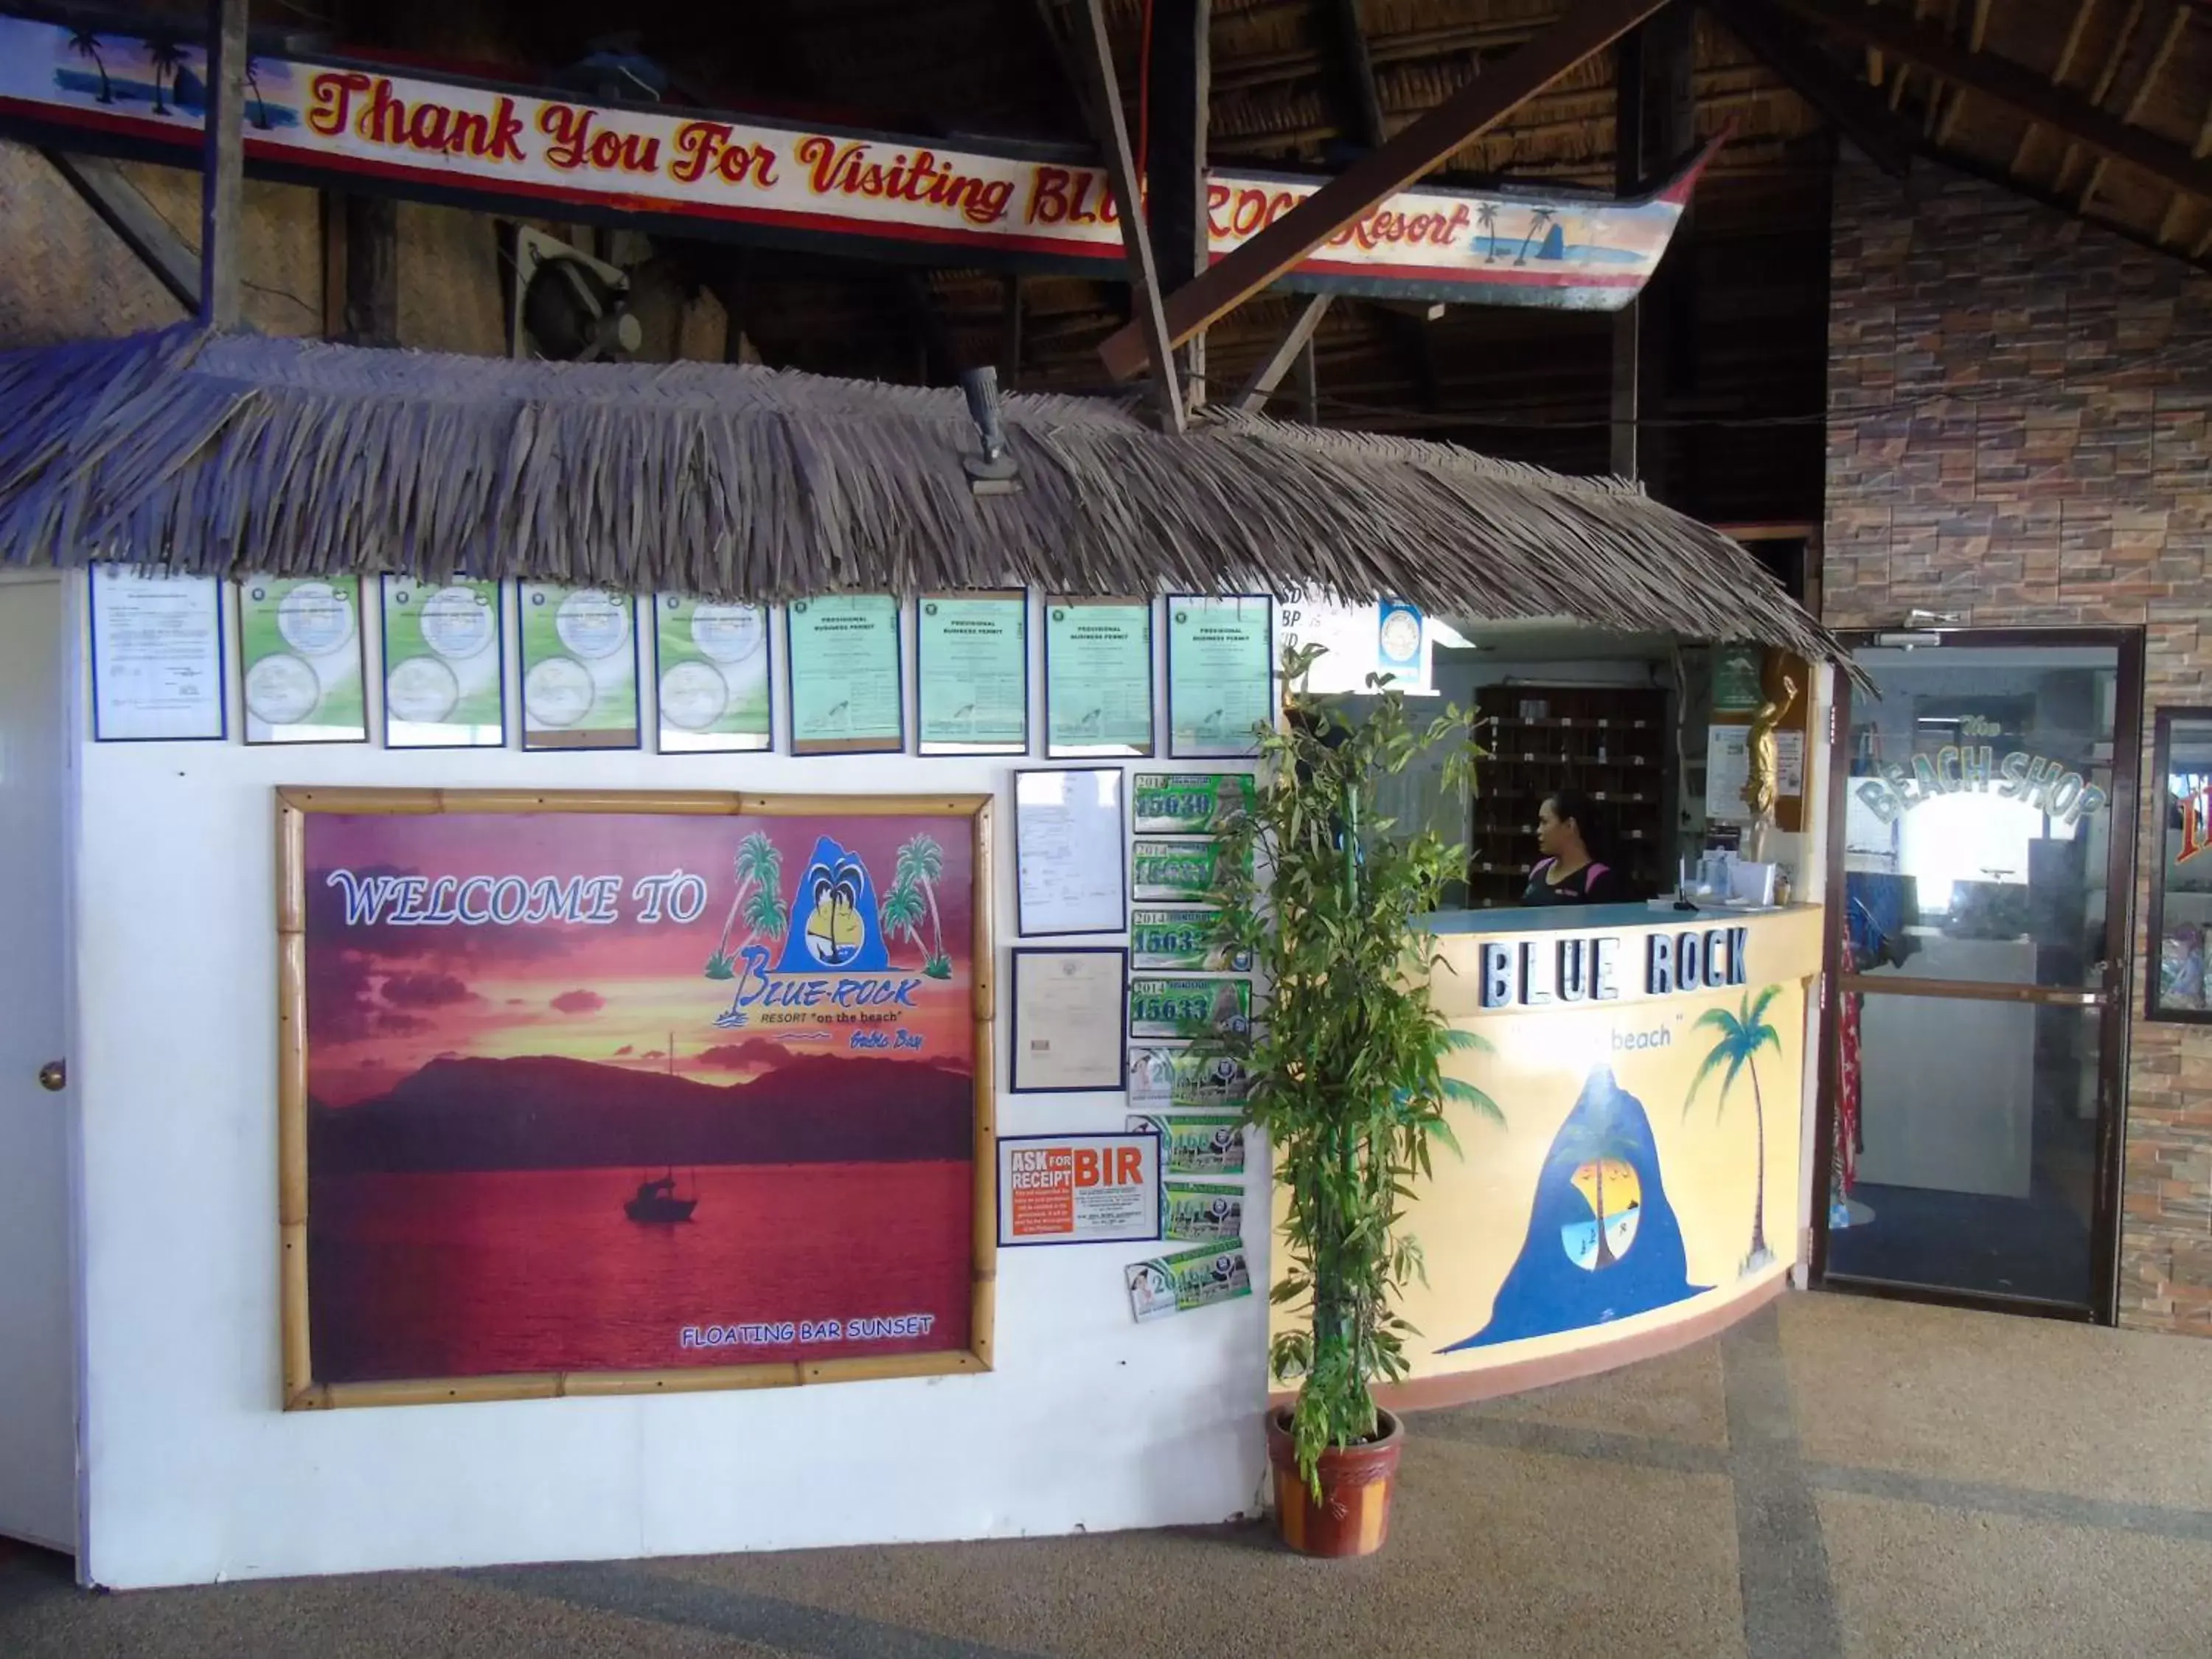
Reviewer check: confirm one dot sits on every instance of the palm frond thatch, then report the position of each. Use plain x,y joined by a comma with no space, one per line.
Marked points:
231,453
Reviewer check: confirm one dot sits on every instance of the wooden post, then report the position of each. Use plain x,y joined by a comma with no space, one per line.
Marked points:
1010,332
1174,158
1587,29
1624,456
1102,97
1654,125
222,164
371,271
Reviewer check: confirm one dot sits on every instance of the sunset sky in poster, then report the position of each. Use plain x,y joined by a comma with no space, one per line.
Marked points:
384,1000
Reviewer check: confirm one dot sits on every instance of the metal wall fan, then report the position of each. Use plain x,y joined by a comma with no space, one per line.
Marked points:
569,306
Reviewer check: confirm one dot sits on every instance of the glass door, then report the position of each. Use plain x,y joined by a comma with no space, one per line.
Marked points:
1986,808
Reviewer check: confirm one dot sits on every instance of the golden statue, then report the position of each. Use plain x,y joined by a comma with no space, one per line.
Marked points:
1764,787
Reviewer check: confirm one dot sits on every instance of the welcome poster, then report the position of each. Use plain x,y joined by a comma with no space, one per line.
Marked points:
613,1091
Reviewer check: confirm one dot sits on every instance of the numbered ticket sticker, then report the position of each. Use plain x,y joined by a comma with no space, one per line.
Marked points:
1203,1212
1182,939
1188,1280
1189,1007
1189,803
1197,1144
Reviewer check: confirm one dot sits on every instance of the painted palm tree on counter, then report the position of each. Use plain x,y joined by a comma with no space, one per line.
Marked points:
921,866
759,869
254,86
1539,221
85,43
1485,220
1736,1051
168,56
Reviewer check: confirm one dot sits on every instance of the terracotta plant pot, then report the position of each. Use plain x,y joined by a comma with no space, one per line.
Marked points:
1353,1517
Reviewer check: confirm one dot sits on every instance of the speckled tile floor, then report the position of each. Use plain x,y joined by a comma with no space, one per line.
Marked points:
1835,1477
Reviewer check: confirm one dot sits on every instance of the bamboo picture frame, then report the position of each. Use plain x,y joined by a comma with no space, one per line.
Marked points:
303,1388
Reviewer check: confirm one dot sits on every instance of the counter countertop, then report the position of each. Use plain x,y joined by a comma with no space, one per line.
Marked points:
1592,918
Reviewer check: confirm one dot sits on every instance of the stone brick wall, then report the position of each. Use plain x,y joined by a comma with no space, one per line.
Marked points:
2018,434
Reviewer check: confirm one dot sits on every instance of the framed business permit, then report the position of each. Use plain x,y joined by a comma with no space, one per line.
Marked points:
579,667
1220,674
846,673
444,665
972,673
1097,677
710,671
300,658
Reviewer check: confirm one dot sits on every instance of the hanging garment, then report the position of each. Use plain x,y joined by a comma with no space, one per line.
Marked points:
1848,1141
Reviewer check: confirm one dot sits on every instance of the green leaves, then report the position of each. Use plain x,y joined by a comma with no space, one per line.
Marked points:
1348,1065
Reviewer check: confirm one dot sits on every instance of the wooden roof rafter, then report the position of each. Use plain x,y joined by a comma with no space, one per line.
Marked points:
2077,116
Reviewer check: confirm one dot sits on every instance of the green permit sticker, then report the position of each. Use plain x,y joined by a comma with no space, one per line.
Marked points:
1164,1076
1211,1144
1202,1210
1189,803
1169,1285
1189,1007
1182,938
1173,872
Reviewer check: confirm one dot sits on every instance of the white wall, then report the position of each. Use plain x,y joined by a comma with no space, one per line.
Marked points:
193,1473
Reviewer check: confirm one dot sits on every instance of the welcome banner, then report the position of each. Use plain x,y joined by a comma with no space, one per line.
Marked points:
350,125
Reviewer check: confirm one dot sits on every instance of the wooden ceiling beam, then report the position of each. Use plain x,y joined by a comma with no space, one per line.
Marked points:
1294,345
2075,32
2003,81
1977,37
2102,86
1855,112
1589,28
2170,226
2176,24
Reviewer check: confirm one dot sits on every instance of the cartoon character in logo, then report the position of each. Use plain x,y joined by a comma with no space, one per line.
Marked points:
833,917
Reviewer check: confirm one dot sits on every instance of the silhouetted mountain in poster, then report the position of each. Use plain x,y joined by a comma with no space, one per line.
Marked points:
545,1113
1563,1279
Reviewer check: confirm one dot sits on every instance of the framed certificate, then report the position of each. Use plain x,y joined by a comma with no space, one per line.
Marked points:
1071,853
972,673
1220,674
1071,1008
444,665
299,660
156,657
846,673
1097,677
710,671
579,668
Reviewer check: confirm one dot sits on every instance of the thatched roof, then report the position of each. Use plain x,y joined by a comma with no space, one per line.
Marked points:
238,454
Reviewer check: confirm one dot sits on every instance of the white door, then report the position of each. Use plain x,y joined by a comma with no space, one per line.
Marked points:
37,1363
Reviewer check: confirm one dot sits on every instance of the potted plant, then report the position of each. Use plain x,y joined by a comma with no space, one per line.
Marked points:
1346,1078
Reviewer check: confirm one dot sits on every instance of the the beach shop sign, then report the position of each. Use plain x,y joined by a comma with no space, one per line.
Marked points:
2049,787
1538,973
736,176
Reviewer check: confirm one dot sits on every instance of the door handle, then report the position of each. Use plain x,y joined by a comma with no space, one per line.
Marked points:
54,1076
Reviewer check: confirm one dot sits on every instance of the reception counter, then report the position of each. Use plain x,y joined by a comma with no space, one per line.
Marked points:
1635,1186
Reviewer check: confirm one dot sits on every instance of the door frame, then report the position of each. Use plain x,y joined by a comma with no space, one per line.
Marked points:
2116,1021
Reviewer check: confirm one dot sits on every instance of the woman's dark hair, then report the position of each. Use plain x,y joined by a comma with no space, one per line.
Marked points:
1571,805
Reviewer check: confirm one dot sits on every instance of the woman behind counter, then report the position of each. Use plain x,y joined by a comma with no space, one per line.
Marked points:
1569,873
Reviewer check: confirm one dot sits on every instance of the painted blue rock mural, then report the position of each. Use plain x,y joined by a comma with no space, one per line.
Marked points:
1603,1243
